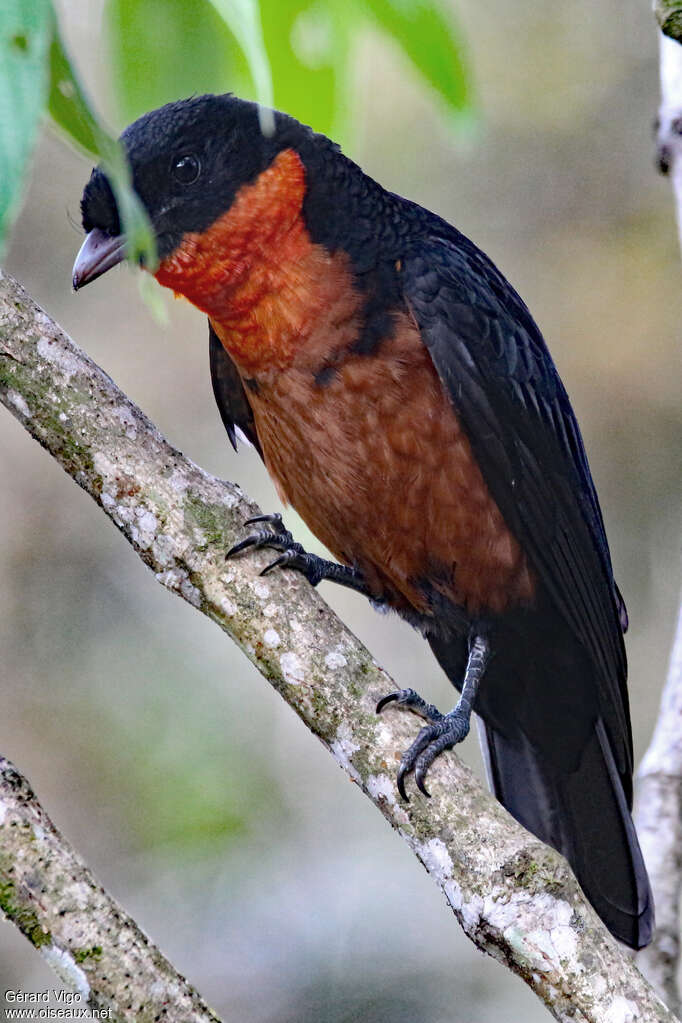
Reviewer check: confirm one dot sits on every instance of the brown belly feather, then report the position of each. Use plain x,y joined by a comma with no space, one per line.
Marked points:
378,466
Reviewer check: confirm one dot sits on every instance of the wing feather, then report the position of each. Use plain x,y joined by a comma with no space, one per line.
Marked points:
500,377
229,394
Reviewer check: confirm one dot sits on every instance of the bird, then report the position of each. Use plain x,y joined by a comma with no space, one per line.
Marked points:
405,404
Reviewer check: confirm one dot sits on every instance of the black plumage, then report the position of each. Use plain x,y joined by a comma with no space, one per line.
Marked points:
553,697
229,393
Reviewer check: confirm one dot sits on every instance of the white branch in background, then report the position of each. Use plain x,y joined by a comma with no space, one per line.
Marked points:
514,897
659,826
669,133
659,789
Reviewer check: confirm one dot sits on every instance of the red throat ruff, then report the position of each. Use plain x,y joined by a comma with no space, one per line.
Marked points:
256,272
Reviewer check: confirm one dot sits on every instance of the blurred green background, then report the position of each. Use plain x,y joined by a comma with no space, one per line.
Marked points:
197,797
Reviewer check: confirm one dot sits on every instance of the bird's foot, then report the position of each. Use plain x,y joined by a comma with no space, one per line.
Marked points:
443,732
275,536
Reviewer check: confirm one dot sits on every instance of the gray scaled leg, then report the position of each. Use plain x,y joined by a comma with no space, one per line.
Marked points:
444,730
276,537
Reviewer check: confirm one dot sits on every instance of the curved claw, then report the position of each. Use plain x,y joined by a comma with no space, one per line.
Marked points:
419,776
293,556
413,756
241,546
281,560
274,517
277,538
400,782
382,703
442,732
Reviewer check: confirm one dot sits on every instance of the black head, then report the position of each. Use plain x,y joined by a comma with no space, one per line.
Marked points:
188,160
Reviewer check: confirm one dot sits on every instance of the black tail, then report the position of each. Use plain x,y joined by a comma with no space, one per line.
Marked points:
584,815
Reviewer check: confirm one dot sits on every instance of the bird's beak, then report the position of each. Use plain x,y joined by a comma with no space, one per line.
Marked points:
98,253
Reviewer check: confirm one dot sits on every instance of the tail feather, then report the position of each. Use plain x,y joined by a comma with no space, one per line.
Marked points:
583,814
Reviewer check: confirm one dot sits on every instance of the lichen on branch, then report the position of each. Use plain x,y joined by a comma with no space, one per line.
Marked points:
669,16
94,948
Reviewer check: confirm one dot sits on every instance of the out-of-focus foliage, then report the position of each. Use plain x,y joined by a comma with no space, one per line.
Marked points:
243,19
308,47
195,53
296,54
68,107
25,31
35,72
71,112
429,40
167,49
312,47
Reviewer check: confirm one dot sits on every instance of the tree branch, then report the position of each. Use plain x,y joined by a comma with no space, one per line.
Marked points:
669,129
659,786
94,948
669,16
514,897
659,826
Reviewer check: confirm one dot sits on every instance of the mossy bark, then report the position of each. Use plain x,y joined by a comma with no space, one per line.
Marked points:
49,894
669,16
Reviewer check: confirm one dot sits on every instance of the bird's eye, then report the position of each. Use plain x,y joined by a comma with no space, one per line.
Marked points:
186,169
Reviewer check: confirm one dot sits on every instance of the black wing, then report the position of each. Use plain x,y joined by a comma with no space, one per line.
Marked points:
229,393
495,367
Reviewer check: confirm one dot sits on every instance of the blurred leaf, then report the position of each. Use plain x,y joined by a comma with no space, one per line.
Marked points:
140,238
73,114
163,50
25,32
310,49
154,297
67,104
243,19
167,49
303,51
429,39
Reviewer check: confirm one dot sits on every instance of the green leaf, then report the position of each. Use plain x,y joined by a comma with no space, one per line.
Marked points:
195,53
67,104
140,238
243,19
304,47
154,297
73,114
431,42
25,32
